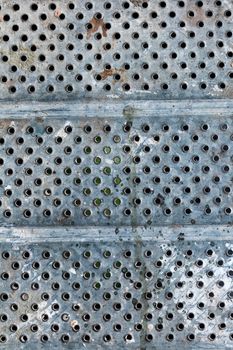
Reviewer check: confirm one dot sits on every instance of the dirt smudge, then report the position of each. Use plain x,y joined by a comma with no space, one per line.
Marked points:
15,57
199,16
39,119
138,2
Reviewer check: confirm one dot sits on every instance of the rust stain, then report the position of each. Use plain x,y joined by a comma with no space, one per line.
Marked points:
96,25
110,72
199,16
57,12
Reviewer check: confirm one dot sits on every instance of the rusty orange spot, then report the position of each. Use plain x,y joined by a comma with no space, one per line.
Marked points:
57,13
96,24
106,73
110,72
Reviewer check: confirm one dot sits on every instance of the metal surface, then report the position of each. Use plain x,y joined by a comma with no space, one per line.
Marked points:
116,160
102,253
128,49
113,172
135,295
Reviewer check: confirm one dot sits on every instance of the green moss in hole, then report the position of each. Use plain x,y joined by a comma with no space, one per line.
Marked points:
106,191
96,285
107,170
87,170
117,202
87,150
107,275
97,181
117,264
97,139
97,160
97,264
87,191
107,212
107,149
97,202
117,160
117,180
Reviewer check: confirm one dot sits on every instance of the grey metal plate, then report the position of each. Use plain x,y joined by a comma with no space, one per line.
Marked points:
127,49
116,174
137,295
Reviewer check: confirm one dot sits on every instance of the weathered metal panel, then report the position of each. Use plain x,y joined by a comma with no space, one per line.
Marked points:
116,174
109,171
134,295
122,49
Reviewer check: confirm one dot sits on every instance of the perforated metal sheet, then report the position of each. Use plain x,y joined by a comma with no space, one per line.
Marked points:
116,174
106,171
128,49
132,295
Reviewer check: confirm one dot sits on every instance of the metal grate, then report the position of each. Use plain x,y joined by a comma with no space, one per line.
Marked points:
129,295
116,174
171,171
127,49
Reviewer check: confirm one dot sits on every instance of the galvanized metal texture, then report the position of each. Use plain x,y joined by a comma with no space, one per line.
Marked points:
109,171
133,295
123,48
116,174
168,284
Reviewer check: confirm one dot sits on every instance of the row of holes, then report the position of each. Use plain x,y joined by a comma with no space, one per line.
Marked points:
117,15
116,77
66,254
67,213
107,26
107,275
107,46
107,87
125,4
86,338
107,317
107,170
117,160
126,127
